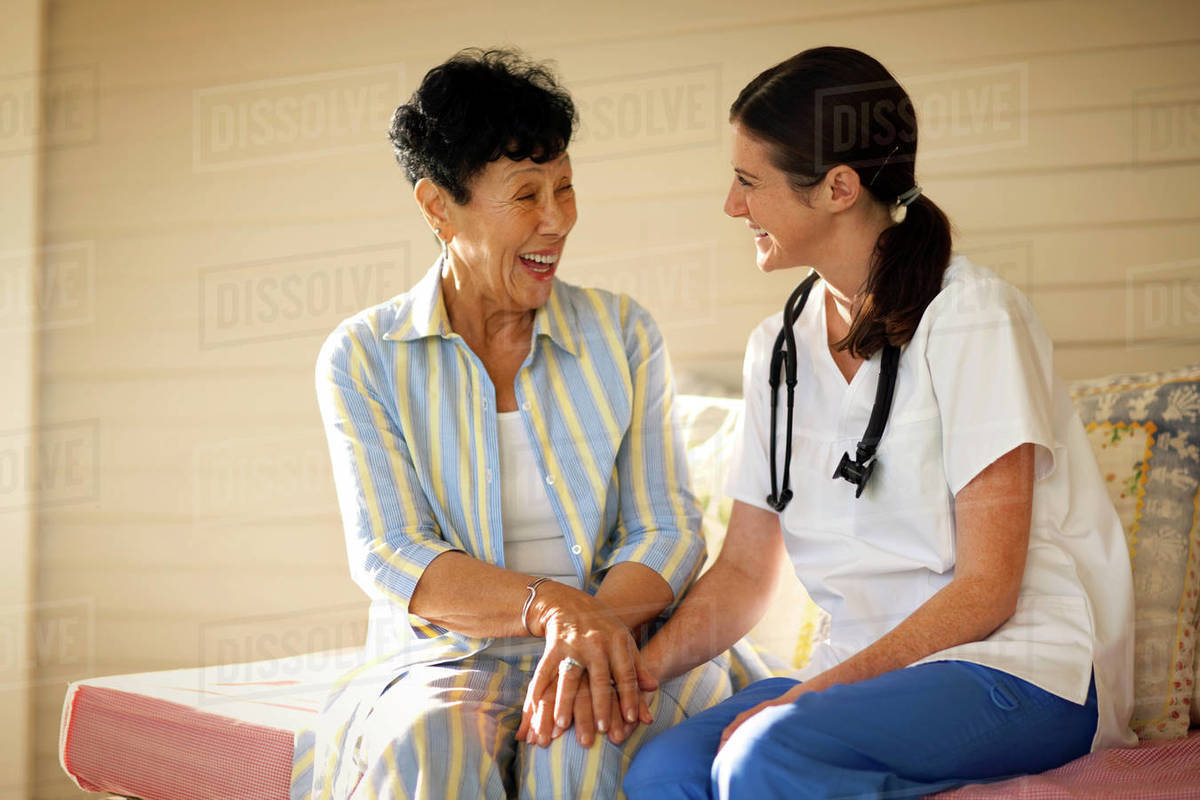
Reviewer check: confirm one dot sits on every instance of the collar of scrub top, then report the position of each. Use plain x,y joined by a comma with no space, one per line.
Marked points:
783,359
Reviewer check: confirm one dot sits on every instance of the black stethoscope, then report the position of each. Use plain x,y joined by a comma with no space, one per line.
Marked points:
783,354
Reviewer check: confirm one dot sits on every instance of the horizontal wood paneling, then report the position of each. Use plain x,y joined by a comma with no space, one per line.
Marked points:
189,501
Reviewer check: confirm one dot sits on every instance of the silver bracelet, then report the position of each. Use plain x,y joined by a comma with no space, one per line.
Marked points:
532,587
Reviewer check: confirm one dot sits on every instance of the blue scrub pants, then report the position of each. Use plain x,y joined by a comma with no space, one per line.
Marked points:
906,733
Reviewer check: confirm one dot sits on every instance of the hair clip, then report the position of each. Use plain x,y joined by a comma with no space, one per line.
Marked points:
884,164
909,196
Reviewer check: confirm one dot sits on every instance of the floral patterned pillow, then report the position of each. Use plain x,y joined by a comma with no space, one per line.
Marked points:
1145,431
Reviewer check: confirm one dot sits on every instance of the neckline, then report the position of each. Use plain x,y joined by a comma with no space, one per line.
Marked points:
827,355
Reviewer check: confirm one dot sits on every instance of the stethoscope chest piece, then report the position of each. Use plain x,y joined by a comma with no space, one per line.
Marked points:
856,473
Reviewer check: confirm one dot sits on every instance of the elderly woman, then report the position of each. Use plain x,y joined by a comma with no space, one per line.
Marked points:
515,499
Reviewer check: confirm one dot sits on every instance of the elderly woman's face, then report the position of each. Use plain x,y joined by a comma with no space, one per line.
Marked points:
510,235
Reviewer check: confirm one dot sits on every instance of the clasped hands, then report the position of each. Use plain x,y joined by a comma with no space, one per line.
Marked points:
591,674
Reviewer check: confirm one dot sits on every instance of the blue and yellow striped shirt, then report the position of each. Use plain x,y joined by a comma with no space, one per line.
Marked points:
410,415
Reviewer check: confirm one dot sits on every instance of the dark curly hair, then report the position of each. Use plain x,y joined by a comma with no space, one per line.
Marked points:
476,107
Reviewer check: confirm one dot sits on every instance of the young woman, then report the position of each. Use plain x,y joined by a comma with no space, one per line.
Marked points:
974,569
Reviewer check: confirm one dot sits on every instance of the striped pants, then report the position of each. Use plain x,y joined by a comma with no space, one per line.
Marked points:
449,731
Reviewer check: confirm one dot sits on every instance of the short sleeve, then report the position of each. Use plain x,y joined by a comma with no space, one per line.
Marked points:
750,472
991,366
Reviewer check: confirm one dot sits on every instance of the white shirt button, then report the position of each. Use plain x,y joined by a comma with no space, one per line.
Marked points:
576,549
549,480
489,475
526,405
485,404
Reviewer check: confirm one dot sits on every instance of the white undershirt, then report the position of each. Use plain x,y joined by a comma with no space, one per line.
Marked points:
533,540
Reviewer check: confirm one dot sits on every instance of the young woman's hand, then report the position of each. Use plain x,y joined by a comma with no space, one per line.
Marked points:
787,697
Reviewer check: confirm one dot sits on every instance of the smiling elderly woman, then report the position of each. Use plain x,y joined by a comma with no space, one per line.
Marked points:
515,498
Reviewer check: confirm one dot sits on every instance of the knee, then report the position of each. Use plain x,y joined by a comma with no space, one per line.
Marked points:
423,751
566,768
420,737
744,766
668,766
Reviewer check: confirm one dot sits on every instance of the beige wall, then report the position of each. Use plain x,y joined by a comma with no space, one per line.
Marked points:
20,82
191,510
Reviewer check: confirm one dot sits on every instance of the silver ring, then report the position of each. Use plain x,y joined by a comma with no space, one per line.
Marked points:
568,663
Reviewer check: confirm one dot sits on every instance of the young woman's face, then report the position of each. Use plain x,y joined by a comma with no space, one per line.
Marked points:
787,231
510,235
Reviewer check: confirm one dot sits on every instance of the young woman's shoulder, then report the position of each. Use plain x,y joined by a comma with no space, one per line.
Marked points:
761,340
973,293
981,318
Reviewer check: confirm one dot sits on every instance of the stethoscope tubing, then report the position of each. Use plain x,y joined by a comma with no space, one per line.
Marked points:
783,357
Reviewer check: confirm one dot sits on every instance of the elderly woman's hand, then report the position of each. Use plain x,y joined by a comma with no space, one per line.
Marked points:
538,722
537,718
604,657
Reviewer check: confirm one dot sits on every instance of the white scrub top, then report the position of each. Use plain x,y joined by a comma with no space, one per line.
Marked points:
975,381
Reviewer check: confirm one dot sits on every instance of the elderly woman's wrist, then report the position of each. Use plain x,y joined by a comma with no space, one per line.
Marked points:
548,599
